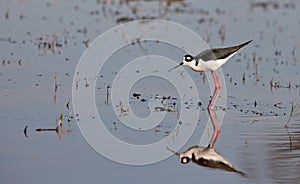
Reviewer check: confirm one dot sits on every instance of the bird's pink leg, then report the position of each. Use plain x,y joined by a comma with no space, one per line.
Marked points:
214,93
218,91
217,131
218,87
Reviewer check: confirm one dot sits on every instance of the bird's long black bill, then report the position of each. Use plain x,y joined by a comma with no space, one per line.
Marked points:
176,67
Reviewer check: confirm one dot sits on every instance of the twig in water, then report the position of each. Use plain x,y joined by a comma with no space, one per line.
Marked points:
70,117
25,131
294,52
294,112
67,105
55,87
290,139
54,98
222,33
46,129
107,94
244,78
60,119
122,109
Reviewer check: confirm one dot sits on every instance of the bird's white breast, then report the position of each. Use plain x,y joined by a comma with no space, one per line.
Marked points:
211,65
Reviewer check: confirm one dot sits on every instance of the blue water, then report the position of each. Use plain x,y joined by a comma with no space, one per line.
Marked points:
252,138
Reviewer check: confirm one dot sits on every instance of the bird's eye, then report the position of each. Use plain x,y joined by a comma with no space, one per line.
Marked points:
188,58
185,160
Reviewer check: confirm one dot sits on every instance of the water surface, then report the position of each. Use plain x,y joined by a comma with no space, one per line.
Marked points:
261,82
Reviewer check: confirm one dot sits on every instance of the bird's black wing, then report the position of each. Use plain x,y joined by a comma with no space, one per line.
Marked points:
216,165
219,53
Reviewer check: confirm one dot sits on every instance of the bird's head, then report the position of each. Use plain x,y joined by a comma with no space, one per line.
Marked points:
187,60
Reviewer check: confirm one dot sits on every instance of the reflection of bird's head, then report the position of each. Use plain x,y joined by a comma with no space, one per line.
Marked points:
186,156
185,159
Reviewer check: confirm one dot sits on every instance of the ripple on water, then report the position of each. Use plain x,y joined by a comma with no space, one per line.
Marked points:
271,152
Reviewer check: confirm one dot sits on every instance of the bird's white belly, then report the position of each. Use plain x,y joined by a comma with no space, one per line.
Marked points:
210,65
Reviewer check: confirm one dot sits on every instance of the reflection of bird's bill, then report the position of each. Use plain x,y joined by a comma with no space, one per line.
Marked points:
177,154
176,66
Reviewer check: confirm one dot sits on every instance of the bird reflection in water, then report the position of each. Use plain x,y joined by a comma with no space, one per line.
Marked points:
213,118
207,156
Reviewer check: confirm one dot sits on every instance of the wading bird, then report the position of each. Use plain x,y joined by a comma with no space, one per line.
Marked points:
211,60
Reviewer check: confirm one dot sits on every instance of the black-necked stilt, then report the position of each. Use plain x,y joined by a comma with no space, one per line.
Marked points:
207,157
211,60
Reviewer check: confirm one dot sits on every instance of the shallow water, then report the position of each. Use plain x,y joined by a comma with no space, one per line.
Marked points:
253,137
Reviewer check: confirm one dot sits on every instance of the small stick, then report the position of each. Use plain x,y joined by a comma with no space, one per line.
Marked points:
46,129
107,94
